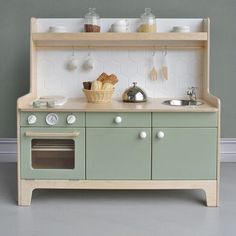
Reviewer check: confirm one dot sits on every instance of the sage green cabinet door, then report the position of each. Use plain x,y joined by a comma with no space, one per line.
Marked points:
184,153
118,153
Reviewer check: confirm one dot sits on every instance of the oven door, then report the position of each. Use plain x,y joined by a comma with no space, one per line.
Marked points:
52,153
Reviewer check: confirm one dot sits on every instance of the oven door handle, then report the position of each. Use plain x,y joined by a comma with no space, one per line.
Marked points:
51,135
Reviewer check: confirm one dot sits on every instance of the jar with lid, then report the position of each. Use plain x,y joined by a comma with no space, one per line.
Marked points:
92,21
147,22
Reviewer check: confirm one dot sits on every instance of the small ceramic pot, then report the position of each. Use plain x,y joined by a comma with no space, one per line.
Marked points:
181,29
121,26
57,29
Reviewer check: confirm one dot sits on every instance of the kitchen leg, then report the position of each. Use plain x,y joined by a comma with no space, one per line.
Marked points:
25,194
211,195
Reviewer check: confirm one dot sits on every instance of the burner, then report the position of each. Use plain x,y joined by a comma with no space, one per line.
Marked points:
49,101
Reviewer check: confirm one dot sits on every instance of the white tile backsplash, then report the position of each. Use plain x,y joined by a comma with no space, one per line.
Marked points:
185,70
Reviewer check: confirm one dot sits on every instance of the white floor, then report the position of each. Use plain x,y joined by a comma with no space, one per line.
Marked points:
123,213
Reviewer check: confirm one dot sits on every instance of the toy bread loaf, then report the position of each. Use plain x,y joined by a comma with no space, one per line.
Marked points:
111,79
102,77
96,85
105,78
107,86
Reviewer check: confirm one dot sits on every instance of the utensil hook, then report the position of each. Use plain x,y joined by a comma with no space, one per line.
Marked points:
164,52
73,51
154,51
89,51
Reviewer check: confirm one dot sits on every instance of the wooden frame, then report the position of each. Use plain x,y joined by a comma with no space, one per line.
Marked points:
52,41
209,186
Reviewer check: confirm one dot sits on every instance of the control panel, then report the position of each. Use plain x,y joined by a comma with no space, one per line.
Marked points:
53,119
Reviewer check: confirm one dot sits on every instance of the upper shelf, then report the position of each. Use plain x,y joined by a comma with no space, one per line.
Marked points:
119,39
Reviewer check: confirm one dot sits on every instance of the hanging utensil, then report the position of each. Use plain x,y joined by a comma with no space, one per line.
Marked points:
164,67
89,62
153,72
72,64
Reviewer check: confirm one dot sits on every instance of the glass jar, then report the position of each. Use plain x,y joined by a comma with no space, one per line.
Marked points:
147,22
92,21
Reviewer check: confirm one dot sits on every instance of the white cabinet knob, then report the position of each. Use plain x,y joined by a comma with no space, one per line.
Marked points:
71,119
31,119
143,135
160,134
118,120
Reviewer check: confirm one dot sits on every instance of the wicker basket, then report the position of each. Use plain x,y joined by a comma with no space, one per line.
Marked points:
98,96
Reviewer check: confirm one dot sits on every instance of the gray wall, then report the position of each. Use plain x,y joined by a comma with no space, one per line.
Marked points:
14,44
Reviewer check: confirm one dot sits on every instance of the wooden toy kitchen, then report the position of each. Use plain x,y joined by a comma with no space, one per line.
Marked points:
76,131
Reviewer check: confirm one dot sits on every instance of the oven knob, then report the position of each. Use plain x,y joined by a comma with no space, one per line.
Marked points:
32,119
52,119
71,119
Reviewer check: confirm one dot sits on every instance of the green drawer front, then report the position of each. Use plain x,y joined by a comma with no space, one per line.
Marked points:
96,119
41,119
185,119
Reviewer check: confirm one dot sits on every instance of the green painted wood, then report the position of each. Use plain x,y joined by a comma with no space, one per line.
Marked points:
184,154
107,119
185,119
118,154
41,119
27,172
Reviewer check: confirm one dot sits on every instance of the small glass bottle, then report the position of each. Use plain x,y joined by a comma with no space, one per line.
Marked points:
147,22
92,21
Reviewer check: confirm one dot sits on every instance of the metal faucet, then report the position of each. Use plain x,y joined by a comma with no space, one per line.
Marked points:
192,93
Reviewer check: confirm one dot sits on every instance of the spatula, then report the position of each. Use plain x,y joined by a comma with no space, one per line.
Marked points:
153,72
164,67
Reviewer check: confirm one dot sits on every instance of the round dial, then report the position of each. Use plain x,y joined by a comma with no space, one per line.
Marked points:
52,119
31,119
71,119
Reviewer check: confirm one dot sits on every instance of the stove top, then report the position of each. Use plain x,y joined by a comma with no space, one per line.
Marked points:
49,101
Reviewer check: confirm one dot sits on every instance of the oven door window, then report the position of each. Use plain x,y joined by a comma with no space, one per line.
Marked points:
53,154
